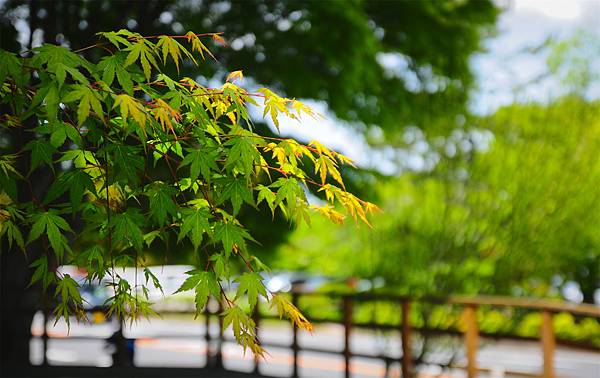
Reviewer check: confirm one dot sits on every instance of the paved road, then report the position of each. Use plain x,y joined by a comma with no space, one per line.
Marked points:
180,343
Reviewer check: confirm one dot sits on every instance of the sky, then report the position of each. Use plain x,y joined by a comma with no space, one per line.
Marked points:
526,24
505,65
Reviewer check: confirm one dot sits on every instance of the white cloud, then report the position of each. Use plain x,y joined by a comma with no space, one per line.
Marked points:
559,9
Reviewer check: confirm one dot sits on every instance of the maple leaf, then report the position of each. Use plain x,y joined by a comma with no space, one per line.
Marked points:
88,98
51,223
330,213
41,152
251,284
285,308
242,155
204,283
53,55
9,65
115,64
76,182
128,163
142,50
41,272
67,289
235,75
231,235
325,165
126,228
130,106
173,48
163,113
274,105
160,196
194,225
59,133
217,38
200,160
235,190
197,45
116,38
266,194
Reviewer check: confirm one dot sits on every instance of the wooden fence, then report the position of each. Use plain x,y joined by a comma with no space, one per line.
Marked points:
471,333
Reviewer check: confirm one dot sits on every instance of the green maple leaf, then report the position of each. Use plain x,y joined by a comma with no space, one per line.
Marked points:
204,283
128,163
41,152
76,182
72,133
93,259
41,272
237,191
200,161
289,189
51,223
194,224
161,202
9,65
171,47
88,99
115,64
240,323
58,136
67,289
242,155
54,55
80,158
60,70
267,195
126,228
51,101
149,276
219,263
116,38
251,285
13,234
230,234
206,286
142,50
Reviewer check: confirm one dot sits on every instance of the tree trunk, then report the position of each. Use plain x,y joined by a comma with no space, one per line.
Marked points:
18,304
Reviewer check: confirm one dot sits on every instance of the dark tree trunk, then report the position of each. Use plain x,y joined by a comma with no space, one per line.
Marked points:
18,304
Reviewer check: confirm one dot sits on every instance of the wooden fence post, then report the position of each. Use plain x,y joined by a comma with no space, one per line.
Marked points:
471,340
406,342
347,308
295,339
548,344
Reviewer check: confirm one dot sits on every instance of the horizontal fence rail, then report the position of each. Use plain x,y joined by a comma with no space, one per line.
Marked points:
470,334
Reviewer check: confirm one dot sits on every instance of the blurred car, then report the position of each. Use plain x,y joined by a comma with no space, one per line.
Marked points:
286,281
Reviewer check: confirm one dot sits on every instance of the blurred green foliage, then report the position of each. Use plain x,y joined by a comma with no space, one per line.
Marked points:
511,207
323,50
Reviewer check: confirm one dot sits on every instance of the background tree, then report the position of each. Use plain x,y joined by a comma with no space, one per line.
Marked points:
515,217
387,64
